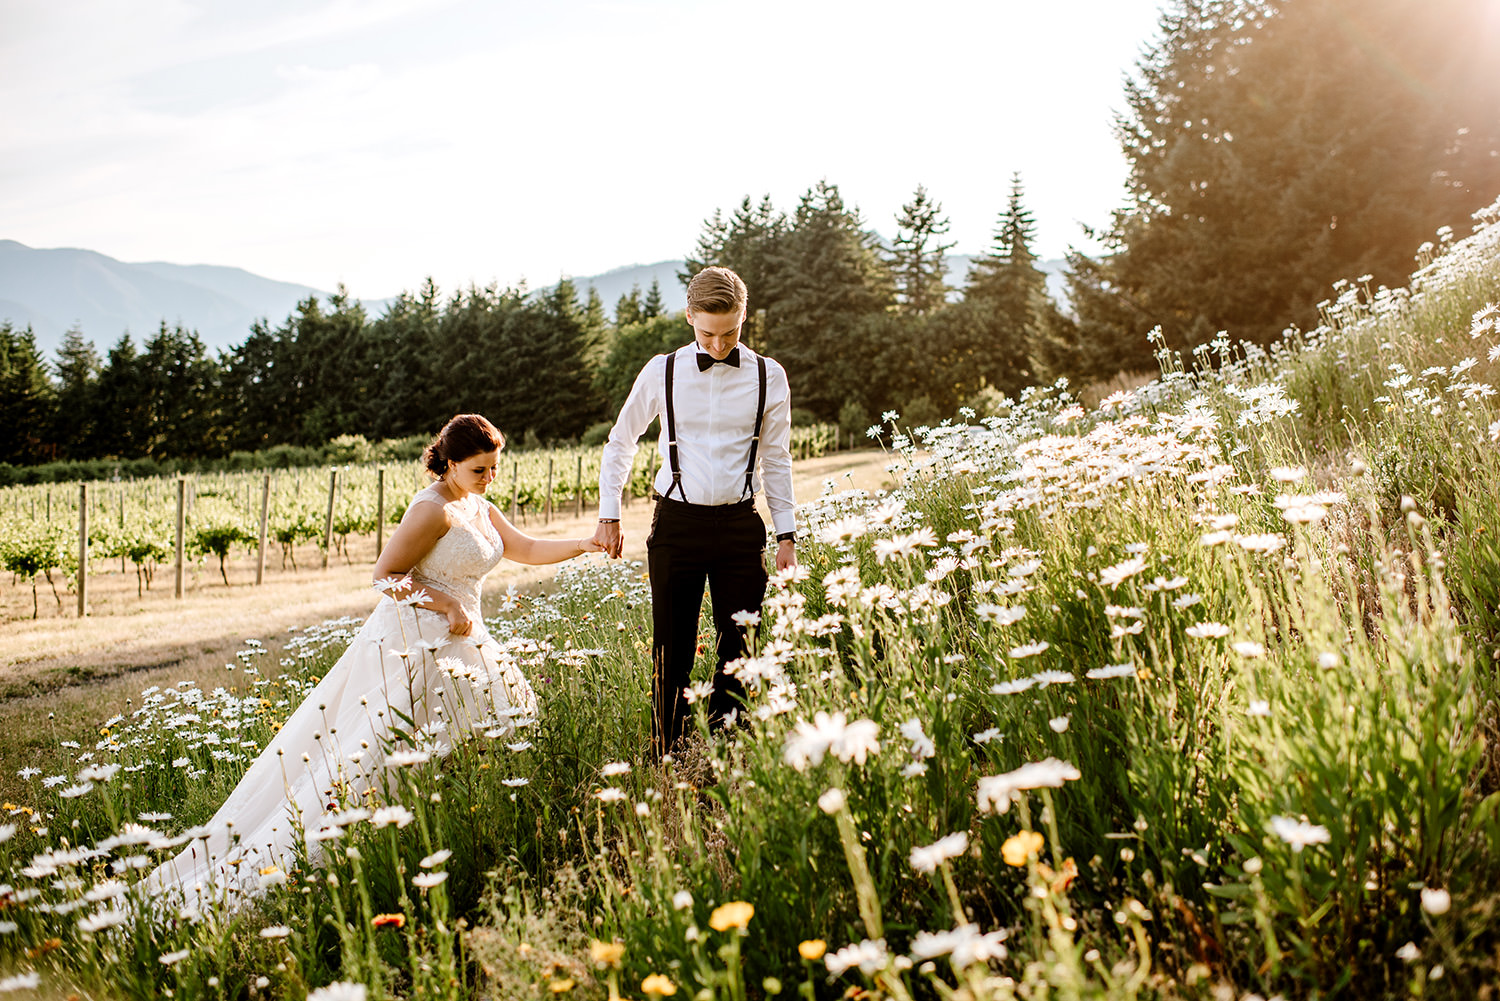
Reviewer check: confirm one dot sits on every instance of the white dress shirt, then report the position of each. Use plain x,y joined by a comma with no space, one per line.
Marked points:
715,417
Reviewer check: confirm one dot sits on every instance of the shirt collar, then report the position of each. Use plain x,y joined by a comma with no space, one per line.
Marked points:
689,350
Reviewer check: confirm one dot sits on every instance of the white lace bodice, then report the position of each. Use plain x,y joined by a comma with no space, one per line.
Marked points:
470,549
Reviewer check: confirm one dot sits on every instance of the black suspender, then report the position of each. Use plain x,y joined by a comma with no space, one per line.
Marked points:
672,435
760,413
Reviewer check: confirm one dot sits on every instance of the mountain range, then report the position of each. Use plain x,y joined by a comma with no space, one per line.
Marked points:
53,290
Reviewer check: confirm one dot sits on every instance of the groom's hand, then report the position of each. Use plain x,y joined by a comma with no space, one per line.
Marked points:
786,554
610,539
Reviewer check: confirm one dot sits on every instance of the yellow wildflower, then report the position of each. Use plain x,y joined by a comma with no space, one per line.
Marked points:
606,953
561,986
735,914
658,986
812,950
1019,847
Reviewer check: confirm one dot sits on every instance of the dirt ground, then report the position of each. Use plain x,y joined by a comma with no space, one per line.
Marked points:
139,640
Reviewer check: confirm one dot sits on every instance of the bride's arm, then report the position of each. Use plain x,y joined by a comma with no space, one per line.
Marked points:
523,548
420,528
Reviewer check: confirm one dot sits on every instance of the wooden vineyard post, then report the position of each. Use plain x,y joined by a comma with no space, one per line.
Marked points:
122,524
515,488
83,549
547,520
181,526
333,489
379,512
578,486
265,524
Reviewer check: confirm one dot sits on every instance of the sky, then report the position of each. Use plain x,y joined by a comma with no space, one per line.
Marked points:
379,142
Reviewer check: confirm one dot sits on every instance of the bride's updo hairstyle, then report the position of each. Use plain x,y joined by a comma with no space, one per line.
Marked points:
464,436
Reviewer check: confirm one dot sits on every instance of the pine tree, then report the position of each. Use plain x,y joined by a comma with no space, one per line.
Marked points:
593,318
1006,299
77,383
597,330
179,390
1007,277
634,345
123,425
26,399
1278,147
251,390
628,307
413,390
918,258
826,276
750,244
652,306
556,387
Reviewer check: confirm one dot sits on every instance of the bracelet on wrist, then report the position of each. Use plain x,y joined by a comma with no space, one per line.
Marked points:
609,521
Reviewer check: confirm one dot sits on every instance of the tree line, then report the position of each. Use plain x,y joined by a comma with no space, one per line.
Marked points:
1274,147
546,367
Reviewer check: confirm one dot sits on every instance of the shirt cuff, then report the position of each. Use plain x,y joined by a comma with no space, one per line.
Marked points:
784,522
609,507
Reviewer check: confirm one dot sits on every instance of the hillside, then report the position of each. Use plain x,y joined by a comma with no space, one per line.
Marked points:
52,290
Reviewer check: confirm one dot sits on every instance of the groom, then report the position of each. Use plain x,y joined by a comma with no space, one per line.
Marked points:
725,431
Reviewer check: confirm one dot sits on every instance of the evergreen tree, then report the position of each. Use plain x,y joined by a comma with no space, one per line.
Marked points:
1007,278
918,258
634,345
1006,300
1278,147
332,348
252,391
26,399
77,384
408,383
179,390
552,384
628,307
598,332
825,276
652,306
751,245
123,423
477,358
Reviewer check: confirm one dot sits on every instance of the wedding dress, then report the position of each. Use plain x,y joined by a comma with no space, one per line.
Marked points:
404,687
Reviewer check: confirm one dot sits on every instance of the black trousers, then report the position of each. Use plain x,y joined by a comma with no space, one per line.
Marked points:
691,544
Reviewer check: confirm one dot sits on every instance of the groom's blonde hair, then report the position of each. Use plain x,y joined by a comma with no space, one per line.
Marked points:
716,290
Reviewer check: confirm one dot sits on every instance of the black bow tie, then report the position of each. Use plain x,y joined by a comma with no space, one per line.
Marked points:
707,361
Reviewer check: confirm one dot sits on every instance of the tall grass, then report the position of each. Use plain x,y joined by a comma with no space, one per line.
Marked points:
1189,695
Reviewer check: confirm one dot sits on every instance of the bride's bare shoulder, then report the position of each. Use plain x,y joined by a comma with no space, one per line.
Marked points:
428,508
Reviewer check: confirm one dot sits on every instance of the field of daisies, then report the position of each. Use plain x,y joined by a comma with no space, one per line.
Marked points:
1191,695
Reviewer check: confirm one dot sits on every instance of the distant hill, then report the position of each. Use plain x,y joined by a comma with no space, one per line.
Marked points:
52,290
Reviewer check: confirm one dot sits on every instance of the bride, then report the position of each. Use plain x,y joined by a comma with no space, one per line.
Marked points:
420,672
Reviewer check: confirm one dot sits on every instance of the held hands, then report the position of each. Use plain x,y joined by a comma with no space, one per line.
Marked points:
609,539
590,546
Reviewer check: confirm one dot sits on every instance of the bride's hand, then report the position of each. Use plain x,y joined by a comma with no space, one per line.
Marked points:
589,546
459,623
